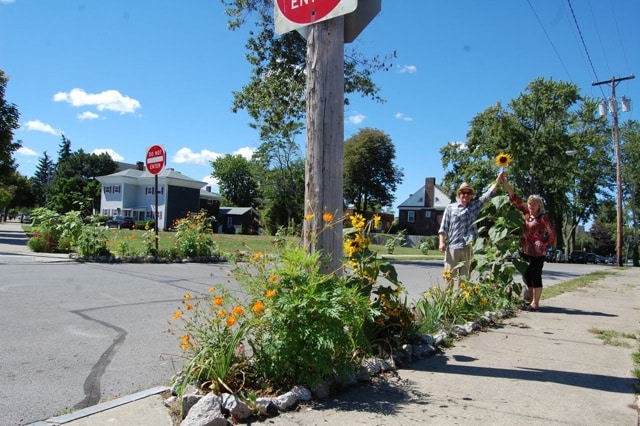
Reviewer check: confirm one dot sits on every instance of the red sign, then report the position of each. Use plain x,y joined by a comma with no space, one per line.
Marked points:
156,159
292,14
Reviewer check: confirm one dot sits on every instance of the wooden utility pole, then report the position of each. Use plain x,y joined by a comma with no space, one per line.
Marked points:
616,138
325,141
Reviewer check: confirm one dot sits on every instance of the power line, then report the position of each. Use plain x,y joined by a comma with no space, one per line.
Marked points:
549,39
584,45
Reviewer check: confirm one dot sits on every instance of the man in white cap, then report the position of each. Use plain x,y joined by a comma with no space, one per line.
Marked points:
457,229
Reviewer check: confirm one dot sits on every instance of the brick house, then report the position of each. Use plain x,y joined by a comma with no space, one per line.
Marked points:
421,213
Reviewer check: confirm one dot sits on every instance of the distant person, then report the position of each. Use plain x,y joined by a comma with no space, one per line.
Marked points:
537,235
457,229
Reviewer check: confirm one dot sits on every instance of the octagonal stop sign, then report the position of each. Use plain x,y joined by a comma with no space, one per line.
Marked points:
156,159
292,14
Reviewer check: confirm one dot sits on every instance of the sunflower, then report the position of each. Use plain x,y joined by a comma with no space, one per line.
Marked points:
503,159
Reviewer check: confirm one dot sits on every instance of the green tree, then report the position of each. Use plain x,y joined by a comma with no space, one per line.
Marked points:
236,180
9,122
540,129
279,169
370,175
630,158
275,95
41,180
74,186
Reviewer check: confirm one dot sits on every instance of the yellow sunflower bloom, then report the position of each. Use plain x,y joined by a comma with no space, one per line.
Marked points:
503,159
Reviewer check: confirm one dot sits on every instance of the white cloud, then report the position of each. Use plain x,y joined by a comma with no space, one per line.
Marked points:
110,100
401,116
407,69
39,126
27,151
114,155
356,118
87,115
212,182
6,1
186,156
246,152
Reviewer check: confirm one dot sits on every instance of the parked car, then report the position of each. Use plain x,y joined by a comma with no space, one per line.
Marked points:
121,222
578,256
590,258
600,259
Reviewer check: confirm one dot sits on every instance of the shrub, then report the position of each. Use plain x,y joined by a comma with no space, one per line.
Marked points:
194,235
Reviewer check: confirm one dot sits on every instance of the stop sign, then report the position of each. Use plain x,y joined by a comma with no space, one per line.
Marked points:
156,159
292,14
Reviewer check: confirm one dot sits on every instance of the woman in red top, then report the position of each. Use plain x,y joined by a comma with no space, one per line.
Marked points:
538,233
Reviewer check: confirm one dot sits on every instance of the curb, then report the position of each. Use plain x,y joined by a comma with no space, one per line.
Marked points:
88,411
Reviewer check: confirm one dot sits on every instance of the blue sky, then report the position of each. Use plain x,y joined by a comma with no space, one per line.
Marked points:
121,75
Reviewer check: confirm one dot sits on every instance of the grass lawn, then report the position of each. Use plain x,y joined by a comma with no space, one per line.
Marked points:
229,244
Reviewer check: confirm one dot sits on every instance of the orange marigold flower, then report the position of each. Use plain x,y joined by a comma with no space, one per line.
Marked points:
231,320
218,301
185,341
270,293
188,306
256,256
273,278
177,314
257,307
222,313
212,289
187,296
238,310
327,217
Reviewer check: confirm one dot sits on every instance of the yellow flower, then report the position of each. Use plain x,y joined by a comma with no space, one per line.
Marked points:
327,217
308,217
446,275
258,306
212,289
177,314
483,301
185,342
231,320
357,221
270,293
376,221
187,296
256,256
222,313
188,306
273,278
503,159
238,310
477,289
218,301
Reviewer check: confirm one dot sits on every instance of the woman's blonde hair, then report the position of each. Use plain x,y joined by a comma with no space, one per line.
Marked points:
537,200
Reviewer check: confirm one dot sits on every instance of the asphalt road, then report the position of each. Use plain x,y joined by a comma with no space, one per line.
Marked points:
74,334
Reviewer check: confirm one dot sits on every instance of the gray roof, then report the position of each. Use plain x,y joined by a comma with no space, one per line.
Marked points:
416,200
236,211
168,175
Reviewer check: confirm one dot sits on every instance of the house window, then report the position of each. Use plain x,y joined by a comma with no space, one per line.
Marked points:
427,214
148,190
411,216
116,189
107,189
161,190
229,221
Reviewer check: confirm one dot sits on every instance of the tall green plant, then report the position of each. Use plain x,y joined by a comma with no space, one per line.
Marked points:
496,251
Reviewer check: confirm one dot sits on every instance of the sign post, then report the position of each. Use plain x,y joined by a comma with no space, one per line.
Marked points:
155,160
